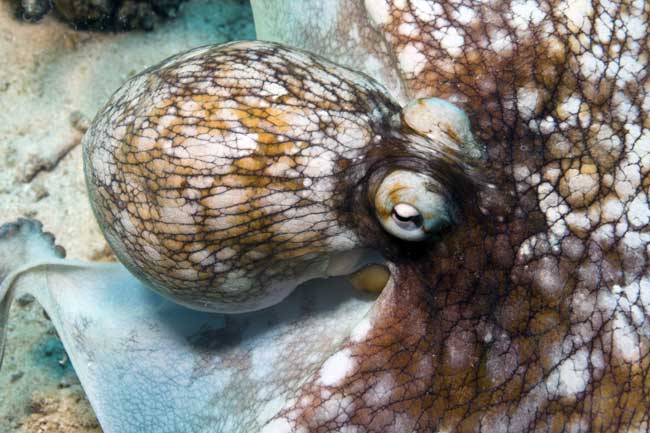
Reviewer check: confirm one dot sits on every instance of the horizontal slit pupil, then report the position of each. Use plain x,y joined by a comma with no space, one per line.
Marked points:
415,220
403,218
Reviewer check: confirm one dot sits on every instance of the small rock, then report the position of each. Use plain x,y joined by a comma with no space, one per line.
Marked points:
84,13
79,121
134,15
65,383
16,377
40,192
25,300
33,166
34,10
105,15
105,254
36,405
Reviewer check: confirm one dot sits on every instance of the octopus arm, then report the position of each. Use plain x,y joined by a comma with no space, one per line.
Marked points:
148,364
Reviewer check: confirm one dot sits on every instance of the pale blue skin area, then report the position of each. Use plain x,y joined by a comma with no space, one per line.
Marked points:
148,364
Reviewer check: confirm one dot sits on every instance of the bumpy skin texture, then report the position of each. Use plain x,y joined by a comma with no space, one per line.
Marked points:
227,175
534,319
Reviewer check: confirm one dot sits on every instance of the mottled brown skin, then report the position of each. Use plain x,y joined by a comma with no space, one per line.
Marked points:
224,174
529,319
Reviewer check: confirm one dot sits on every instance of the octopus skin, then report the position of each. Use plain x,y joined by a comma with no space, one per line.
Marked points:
534,318
226,176
529,317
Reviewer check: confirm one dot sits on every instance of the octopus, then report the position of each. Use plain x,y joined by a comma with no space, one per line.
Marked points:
526,311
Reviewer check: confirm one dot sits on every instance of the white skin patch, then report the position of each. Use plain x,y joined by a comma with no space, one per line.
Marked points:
424,10
279,425
403,423
336,368
360,332
380,392
451,39
548,278
591,65
125,219
526,13
571,376
577,221
553,205
500,40
263,362
408,29
612,209
145,142
412,60
527,100
638,213
151,253
569,109
177,215
464,15
626,340
335,408
577,13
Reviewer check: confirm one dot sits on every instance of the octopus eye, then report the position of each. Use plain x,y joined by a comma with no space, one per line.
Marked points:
410,207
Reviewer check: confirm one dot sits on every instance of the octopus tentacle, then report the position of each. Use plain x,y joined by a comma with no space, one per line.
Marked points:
23,246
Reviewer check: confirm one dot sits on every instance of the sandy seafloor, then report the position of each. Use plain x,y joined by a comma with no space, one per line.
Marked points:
52,81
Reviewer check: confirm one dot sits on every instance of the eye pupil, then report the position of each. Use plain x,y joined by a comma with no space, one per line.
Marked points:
407,217
403,218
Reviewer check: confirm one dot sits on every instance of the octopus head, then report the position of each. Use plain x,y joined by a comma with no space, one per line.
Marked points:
226,199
